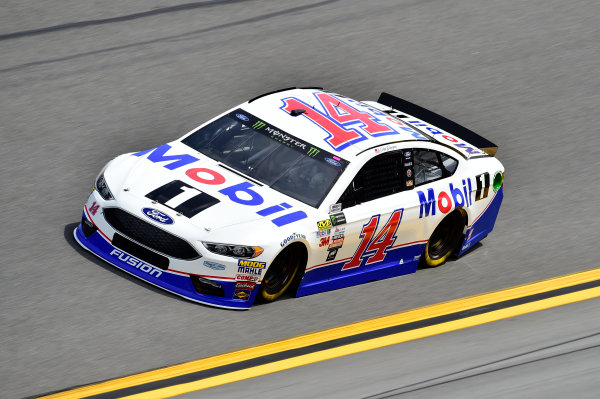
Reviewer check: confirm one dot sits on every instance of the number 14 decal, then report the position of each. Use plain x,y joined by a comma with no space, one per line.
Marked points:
375,249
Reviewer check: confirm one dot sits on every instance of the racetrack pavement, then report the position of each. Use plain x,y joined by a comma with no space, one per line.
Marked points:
82,82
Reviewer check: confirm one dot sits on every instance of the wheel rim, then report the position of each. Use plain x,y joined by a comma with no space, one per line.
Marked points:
280,275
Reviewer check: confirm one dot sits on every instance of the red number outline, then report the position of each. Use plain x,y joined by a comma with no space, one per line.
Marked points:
380,244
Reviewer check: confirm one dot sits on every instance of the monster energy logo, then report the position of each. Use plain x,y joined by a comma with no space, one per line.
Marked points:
258,125
312,152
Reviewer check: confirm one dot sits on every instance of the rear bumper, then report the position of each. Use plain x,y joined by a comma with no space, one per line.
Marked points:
175,282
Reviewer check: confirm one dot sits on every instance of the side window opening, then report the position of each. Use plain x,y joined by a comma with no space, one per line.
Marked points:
432,165
379,177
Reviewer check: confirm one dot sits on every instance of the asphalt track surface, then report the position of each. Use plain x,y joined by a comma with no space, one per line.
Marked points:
81,82
513,361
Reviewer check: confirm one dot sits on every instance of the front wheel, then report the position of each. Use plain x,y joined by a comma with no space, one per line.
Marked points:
281,273
444,240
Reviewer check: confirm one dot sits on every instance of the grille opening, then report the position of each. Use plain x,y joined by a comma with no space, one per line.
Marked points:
207,287
135,249
87,227
149,235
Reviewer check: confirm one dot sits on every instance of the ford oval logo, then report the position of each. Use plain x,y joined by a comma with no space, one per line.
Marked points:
333,162
242,117
157,216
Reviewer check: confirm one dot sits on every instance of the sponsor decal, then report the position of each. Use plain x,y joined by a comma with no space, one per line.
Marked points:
408,164
258,125
337,218
407,154
467,245
336,241
324,241
242,117
242,193
245,277
323,233
333,162
444,201
214,265
285,138
312,152
244,285
339,230
439,135
249,270
251,263
331,254
417,257
94,208
408,172
242,294
483,186
182,198
157,216
346,121
401,262
138,264
293,237
335,208
324,224
409,183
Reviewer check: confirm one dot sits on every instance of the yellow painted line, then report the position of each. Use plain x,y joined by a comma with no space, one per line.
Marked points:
366,345
331,334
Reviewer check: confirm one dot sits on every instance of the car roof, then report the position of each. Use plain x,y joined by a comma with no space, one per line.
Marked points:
320,128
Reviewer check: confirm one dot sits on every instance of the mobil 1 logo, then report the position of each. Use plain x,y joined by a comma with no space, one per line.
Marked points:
182,198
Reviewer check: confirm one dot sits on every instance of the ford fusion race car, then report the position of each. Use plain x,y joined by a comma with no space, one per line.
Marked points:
298,190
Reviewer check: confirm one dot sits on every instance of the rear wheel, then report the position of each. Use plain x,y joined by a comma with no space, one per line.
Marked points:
444,240
282,273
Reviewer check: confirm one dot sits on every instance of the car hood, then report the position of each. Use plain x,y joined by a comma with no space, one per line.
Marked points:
219,197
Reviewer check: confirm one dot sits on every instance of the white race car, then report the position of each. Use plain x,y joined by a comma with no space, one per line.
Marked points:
298,190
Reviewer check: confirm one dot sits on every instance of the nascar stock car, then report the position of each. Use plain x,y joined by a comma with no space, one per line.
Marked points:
301,190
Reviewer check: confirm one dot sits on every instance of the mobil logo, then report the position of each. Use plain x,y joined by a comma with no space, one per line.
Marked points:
445,201
240,193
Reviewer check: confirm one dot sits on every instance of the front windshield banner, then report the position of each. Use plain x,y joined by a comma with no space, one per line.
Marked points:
263,152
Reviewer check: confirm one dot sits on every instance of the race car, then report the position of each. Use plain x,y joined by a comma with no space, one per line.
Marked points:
302,191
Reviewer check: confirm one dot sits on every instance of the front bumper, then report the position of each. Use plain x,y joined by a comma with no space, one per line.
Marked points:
100,244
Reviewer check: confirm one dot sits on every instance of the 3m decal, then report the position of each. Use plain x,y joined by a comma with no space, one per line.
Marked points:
182,198
324,224
241,193
346,124
375,249
324,241
483,186
94,208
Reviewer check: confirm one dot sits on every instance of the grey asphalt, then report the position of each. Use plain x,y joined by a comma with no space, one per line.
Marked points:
81,82
550,354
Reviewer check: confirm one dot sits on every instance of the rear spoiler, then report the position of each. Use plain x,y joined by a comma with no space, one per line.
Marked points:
437,120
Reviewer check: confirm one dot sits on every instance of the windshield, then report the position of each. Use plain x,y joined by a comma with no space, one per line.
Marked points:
269,155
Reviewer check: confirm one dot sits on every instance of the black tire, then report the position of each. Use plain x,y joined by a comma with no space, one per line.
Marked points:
444,240
282,273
